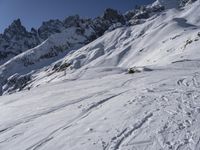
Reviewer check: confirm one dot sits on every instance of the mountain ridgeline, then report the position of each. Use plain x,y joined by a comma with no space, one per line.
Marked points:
16,39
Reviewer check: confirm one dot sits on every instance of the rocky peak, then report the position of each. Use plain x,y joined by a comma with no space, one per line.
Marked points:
185,2
74,21
141,13
168,4
16,39
113,16
50,27
34,31
17,22
15,29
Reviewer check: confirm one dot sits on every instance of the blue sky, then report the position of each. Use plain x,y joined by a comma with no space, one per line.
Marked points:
33,12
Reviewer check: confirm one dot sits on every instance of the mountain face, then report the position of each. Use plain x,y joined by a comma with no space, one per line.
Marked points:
116,82
16,39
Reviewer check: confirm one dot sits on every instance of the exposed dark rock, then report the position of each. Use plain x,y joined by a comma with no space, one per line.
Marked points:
73,21
50,27
129,15
61,66
185,2
142,15
113,16
157,8
138,70
16,39
198,34
133,70
16,83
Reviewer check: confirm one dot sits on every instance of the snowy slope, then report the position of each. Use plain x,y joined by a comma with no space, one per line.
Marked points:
149,110
160,40
92,103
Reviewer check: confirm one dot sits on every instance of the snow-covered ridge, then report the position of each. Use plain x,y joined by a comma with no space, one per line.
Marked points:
163,39
173,3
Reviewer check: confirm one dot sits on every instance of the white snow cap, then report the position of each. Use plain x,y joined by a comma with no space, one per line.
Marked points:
167,3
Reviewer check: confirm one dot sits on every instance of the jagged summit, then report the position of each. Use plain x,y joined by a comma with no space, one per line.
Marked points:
16,39
16,30
16,24
113,16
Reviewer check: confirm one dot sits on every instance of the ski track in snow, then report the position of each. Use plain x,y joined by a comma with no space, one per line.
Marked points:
178,102
84,114
78,118
118,141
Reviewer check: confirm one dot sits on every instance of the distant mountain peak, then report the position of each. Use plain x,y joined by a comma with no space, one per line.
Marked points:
17,22
15,28
113,15
168,4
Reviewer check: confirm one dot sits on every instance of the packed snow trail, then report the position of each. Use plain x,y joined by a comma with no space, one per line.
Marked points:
157,109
